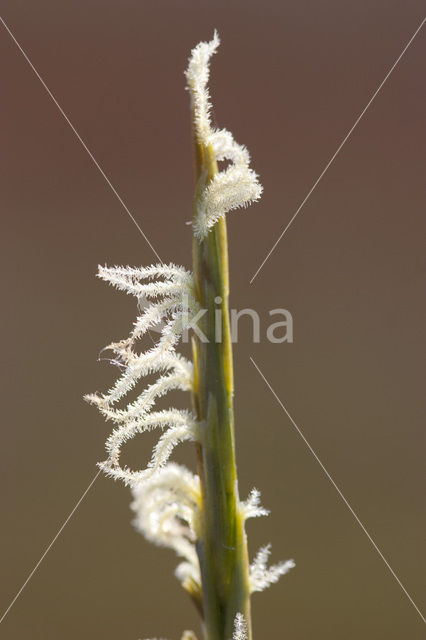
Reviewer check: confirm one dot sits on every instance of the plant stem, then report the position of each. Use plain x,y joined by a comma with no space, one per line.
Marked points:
222,547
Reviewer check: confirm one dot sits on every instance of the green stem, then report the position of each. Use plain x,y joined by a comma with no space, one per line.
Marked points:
222,547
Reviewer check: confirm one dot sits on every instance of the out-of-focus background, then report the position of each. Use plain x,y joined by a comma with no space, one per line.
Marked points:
290,79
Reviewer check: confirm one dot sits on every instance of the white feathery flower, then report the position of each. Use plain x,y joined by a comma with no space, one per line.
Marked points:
167,513
197,76
240,628
251,508
262,576
237,186
169,290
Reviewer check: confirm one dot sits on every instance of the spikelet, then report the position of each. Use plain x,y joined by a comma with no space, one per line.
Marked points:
252,508
167,507
169,289
262,576
237,186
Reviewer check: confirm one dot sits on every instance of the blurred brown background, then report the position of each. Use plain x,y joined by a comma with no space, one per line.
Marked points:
289,80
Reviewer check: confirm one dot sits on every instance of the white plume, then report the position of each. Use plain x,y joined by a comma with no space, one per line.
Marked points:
170,291
252,508
236,186
262,576
167,509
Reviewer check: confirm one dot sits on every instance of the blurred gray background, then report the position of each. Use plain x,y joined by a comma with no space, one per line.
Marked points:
289,80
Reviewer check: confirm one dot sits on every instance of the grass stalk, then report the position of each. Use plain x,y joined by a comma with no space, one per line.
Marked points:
222,547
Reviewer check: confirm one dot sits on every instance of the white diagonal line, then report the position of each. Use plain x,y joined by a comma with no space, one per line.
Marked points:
339,148
338,490
150,245
50,546
80,139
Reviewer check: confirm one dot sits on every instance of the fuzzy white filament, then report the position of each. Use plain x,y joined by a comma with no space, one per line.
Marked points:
169,289
240,628
252,508
167,509
262,576
236,186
